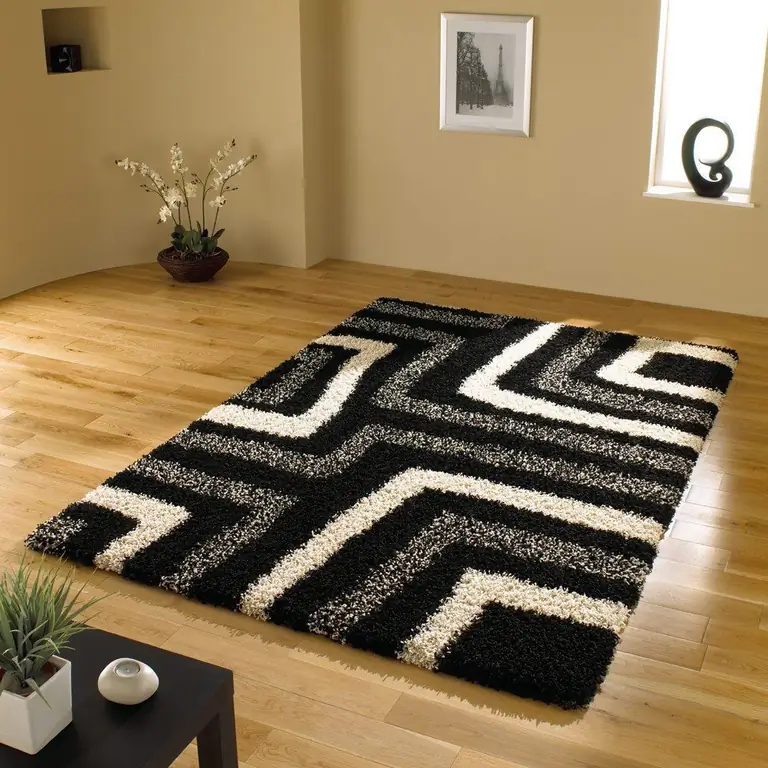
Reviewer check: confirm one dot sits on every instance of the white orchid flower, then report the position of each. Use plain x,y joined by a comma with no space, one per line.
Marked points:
128,165
177,160
224,153
156,178
177,194
174,197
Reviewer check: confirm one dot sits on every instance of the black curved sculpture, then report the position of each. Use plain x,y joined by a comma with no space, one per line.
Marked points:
720,175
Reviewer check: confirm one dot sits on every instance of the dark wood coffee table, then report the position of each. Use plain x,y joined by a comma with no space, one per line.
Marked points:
195,700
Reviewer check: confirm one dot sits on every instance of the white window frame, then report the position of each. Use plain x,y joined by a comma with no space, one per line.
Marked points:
658,187
657,135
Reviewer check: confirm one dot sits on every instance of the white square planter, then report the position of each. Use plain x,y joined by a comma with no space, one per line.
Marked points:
27,723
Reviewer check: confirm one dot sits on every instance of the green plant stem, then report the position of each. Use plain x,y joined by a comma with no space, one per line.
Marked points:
186,200
223,190
205,192
165,202
218,211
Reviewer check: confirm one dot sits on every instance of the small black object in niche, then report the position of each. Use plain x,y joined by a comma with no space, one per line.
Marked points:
66,58
720,176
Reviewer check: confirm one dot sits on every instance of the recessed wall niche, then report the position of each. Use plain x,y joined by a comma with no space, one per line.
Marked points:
86,27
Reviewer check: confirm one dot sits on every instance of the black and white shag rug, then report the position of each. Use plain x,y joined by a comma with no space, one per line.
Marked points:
476,494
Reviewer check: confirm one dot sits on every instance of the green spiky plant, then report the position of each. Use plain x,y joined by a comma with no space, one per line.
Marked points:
38,618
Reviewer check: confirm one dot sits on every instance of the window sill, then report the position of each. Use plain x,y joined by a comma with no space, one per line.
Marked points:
676,193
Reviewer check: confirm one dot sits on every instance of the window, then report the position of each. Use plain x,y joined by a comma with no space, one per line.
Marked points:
711,64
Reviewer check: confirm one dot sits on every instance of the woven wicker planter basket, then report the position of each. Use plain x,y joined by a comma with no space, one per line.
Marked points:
198,271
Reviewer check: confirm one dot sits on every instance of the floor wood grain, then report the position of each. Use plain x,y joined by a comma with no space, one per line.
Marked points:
98,369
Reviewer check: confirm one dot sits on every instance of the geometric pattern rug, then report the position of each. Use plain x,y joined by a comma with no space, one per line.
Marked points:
477,494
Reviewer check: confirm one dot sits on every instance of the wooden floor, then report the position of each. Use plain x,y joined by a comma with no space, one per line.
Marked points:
98,369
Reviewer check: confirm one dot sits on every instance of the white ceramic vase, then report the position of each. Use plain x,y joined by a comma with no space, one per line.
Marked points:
127,681
28,723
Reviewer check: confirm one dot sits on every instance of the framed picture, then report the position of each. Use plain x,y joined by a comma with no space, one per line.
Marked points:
486,73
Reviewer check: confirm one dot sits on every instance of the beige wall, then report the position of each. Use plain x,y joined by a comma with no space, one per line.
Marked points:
321,104
340,99
562,209
197,72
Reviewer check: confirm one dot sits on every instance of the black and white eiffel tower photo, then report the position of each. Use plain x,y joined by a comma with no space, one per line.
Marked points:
485,73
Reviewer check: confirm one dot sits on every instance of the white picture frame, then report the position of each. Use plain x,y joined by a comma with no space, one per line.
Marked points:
473,44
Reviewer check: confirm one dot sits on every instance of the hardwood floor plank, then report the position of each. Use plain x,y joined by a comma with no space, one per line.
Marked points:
749,668
65,352
49,426
738,521
224,384
346,731
712,536
518,741
34,481
720,499
286,750
691,553
468,758
709,580
188,759
662,647
135,625
60,447
249,736
269,664
27,402
685,722
742,699
747,640
707,478
668,621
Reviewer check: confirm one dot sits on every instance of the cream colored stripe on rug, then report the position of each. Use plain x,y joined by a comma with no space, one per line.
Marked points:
155,519
476,590
483,387
330,403
365,513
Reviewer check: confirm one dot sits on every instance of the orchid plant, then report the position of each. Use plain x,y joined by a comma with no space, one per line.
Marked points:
191,241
